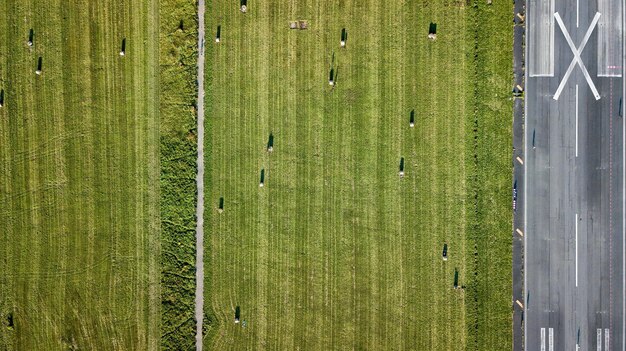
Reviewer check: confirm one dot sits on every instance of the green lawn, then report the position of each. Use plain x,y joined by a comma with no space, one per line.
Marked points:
79,160
336,251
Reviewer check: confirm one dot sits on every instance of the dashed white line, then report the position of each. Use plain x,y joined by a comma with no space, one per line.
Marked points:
576,120
576,230
577,12
543,339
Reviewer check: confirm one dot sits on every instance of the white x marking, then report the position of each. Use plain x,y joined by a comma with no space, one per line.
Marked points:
576,59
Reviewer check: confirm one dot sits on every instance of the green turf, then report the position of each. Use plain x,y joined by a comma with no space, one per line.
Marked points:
336,251
178,70
79,160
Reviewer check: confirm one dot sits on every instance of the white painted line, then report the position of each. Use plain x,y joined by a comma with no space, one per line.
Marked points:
577,12
519,304
610,75
519,159
607,338
576,225
599,339
623,187
551,339
519,232
543,339
577,59
576,120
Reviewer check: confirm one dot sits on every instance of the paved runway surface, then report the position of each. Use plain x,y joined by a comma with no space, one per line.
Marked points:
574,178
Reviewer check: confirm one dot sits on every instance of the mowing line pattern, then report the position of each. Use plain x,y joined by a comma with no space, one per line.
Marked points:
336,251
79,158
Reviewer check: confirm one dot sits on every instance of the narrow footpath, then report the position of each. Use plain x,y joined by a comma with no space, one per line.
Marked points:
200,183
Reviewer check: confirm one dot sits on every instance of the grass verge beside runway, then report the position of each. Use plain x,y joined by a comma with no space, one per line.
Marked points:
79,158
336,251
178,67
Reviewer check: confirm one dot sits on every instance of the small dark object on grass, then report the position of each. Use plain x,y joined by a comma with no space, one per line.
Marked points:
1,97
10,323
39,66
237,314
401,167
31,35
244,5
412,119
218,35
344,37
303,24
270,143
181,25
262,182
123,50
432,31
445,252
331,77
220,208
456,278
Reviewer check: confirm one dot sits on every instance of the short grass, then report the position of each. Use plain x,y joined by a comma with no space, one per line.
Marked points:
79,160
337,252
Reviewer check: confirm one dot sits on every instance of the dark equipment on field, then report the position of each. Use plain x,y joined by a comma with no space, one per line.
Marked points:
456,278
262,182
218,35
220,208
412,119
123,50
445,252
401,173
344,37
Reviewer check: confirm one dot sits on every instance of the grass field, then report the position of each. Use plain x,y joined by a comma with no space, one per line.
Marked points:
178,91
79,161
337,252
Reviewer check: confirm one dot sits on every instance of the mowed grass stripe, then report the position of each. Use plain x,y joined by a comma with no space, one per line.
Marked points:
71,206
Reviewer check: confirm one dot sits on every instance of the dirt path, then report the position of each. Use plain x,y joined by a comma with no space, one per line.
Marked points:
200,182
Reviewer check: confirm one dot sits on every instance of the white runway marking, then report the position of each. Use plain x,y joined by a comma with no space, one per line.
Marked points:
599,339
551,339
576,230
577,59
576,120
540,31
606,339
577,12
543,339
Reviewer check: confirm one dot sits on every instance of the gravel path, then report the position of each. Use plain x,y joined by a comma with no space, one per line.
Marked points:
200,182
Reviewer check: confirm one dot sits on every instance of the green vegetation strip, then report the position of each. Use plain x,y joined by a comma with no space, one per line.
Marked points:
79,200
490,212
335,251
178,67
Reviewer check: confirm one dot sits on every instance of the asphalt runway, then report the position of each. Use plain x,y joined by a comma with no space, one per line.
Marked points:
574,177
